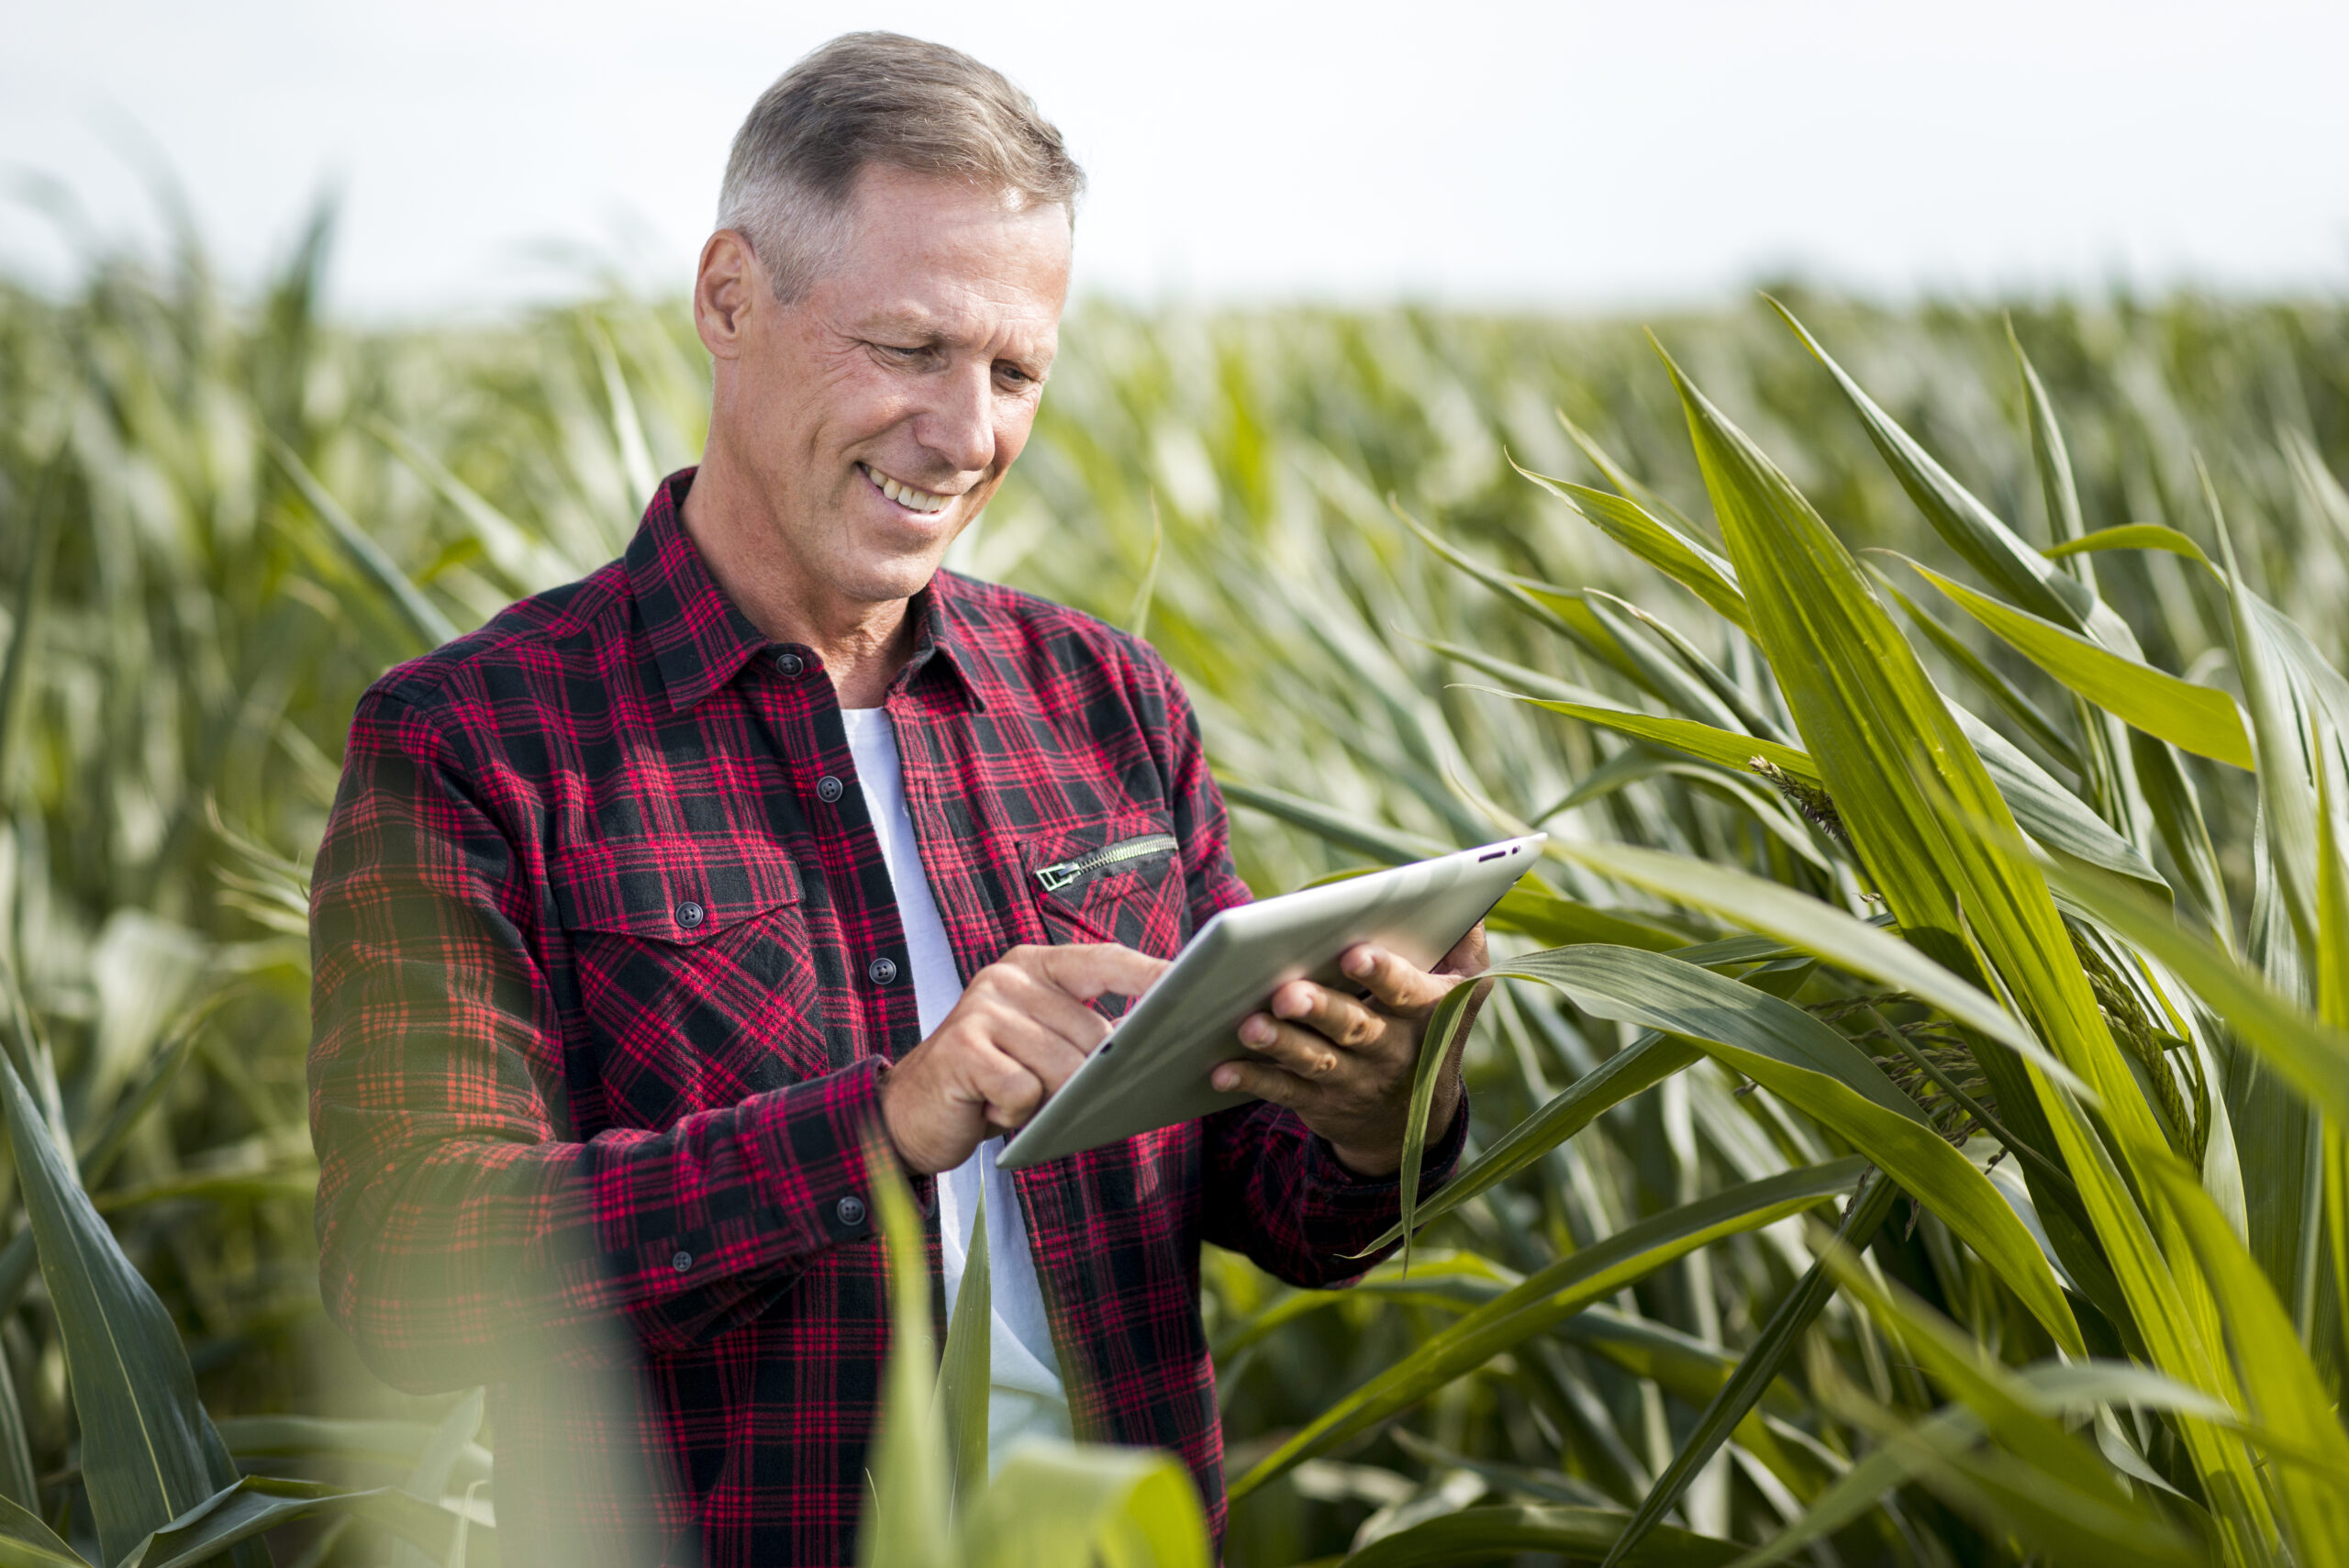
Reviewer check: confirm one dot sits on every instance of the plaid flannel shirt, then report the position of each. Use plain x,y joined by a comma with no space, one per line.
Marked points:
607,972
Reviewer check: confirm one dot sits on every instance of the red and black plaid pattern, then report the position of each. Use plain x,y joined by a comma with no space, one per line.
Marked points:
608,970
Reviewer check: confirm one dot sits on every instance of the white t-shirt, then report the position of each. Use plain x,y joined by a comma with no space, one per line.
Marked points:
1027,1397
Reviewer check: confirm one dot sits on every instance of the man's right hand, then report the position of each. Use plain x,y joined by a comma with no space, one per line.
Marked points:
1022,1025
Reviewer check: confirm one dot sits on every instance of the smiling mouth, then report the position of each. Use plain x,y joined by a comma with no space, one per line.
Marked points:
905,495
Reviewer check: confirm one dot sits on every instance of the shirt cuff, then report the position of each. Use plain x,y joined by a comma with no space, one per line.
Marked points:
812,1142
1436,1161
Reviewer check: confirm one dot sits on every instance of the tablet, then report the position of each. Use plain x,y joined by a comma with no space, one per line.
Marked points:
1151,1071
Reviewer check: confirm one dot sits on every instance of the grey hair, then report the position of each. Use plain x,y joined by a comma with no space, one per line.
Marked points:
876,97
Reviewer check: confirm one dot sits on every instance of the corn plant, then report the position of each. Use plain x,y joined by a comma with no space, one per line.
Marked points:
1954,959
938,1502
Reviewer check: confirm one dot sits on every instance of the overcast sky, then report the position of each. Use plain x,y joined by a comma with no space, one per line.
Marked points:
1583,155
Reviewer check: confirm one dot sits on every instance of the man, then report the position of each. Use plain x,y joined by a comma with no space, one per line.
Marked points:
643,905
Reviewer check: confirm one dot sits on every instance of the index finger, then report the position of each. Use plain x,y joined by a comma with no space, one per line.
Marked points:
1393,982
1087,970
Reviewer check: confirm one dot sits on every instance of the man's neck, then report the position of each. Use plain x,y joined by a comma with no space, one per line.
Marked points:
864,644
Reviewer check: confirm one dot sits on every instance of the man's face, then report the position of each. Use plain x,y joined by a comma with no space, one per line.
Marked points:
877,413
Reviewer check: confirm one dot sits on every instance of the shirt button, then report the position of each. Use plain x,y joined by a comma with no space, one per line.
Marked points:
682,1261
790,663
883,971
830,789
849,1210
690,914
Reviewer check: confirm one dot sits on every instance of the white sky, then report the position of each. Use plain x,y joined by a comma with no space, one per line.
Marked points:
1467,151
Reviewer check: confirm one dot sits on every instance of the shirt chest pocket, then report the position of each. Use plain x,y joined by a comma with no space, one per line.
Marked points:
695,975
1115,881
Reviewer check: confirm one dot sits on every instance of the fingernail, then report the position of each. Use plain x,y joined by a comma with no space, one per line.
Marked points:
1257,1030
1226,1078
1359,961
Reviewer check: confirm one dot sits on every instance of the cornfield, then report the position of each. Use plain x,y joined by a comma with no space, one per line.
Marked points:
1910,1130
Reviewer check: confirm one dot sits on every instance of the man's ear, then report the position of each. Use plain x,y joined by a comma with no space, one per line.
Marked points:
727,286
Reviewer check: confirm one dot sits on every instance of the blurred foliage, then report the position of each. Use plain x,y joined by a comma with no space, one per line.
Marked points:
221,515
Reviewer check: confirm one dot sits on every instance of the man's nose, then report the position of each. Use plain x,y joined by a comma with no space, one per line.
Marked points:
959,425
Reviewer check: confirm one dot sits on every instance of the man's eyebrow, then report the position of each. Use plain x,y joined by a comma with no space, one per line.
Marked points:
916,330
908,322
904,330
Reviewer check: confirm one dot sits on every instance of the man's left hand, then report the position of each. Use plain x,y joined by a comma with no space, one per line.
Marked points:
1344,1063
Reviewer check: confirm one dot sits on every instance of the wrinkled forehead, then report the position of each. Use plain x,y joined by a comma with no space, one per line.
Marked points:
946,260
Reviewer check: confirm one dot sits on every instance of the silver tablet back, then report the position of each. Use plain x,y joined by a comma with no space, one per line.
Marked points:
1152,1069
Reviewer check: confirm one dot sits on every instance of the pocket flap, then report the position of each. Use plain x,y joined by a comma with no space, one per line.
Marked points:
670,890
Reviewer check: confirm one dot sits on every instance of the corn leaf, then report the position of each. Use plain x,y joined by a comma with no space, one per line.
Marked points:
965,1374
1478,1535
2312,1055
399,1443
1691,1370
1661,671
2048,453
1443,1280
1964,524
2284,707
2073,1389
628,429
149,1454
2050,813
2054,817
2011,699
905,1525
1808,926
429,1479
26,1542
1545,1298
2053,1459
2287,1394
1710,743
1521,677
1560,609
1394,846
1924,813
1638,1066
2130,536
20,1482
2200,720
1451,1018
1857,1489
528,564
424,619
31,591
259,1504
1555,921
1682,559
1814,1068
1615,473
1944,850
1969,1375
1730,1408
2176,811
2004,1496
1118,1507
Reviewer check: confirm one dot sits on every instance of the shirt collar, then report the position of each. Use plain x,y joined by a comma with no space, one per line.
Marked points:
700,640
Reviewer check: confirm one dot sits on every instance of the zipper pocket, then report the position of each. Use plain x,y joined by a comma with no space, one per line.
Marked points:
1058,876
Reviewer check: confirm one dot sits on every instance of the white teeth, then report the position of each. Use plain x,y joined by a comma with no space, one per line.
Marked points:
906,495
